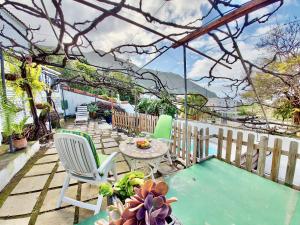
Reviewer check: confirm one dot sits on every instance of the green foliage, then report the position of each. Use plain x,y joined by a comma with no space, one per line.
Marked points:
157,106
9,111
195,102
106,189
284,111
107,113
281,88
18,128
92,108
33,72
124,188
246,111
45,111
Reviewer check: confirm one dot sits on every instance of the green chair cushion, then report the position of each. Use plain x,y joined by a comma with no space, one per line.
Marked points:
90,141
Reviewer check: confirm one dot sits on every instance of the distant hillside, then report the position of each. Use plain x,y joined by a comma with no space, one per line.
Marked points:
174,82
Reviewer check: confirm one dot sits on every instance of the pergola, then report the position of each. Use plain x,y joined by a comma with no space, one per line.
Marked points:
223,20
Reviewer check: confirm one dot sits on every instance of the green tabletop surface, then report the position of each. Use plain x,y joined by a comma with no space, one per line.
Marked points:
216,193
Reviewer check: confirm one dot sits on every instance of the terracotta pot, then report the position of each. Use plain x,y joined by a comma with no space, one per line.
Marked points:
11,76
40,106
20,143
93,115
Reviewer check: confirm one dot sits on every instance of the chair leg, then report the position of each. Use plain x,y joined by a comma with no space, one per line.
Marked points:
114,170
63,190
169,158
98,205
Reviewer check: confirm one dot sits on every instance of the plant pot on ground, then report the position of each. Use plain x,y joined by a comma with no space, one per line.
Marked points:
108,116
18,134
93,108
11,76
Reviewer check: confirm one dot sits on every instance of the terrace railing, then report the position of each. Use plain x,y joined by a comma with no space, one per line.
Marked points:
237,150
134,122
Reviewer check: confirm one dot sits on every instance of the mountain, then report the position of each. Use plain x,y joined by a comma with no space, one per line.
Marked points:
173,81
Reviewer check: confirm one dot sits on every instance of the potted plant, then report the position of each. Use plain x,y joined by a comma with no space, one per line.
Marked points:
147,206
93,108
18,133
124,188
108,116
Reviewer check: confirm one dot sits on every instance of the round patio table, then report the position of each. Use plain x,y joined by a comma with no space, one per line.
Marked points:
151,156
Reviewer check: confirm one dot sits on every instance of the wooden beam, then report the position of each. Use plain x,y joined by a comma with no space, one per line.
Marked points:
242,11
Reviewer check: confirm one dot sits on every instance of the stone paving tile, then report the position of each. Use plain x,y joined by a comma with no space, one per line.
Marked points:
47,159
85,213
59,217
59,179
97,146
51,151
20,221
60,168
120,158
89,191
108,140
52,197
96,141
122,167
28,184
108,151
40,169
15,205
110,144
165,168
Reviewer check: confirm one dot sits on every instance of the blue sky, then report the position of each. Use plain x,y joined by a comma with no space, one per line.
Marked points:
172,60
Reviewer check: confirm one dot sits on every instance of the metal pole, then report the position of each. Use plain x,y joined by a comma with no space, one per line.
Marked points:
63,101
185,100
11,148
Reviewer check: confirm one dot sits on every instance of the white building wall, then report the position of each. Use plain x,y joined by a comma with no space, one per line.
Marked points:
74,100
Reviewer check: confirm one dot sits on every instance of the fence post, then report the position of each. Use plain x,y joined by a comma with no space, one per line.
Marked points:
179,138
195,144
249,154
228,146
201,143
291,166
263,148
220,143
276,159
238,149
206,141
188,147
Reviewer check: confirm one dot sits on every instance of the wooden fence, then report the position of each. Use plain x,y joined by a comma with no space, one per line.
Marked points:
232,149
134,122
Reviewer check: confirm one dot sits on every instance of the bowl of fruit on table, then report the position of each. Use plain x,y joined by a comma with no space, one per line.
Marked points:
143,144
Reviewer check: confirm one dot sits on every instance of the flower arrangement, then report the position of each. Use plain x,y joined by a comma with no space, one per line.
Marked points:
148,206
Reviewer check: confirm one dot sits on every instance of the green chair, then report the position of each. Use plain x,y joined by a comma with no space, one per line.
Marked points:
163,132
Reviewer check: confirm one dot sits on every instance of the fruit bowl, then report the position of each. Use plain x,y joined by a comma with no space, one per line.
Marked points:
143,144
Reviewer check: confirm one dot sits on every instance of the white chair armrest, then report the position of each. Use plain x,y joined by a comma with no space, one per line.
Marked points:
105,166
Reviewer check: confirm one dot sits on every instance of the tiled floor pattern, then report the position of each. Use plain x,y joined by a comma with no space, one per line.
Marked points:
34,198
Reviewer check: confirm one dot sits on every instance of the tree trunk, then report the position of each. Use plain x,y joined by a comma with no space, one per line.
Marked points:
296,118
26,87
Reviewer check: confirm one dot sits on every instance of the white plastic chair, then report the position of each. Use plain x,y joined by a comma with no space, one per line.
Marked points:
82,114
79,162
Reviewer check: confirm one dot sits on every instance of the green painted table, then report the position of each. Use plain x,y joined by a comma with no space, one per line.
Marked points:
216,193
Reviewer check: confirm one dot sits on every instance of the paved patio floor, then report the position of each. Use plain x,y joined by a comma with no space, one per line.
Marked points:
30,198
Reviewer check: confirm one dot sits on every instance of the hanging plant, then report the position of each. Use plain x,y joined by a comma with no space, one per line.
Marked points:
11,76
